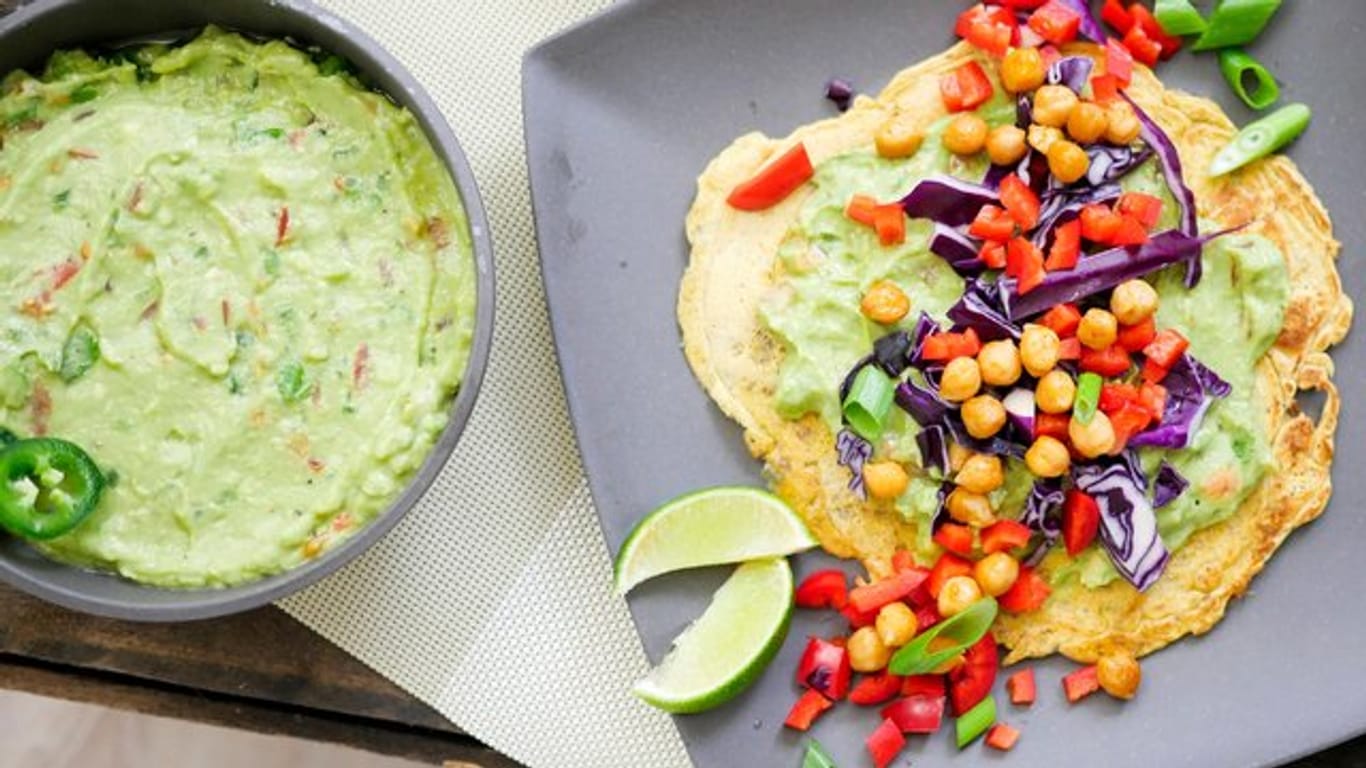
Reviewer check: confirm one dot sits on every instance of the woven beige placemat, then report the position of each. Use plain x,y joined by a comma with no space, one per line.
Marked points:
492,600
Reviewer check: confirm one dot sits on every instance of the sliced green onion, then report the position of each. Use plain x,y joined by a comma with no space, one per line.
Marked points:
975,721
1261,138
817,757
1236,66
869,399
1236,22
963,629
1088,397
1179,17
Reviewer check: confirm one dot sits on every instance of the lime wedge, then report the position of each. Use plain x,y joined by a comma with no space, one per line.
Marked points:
729,524
725,650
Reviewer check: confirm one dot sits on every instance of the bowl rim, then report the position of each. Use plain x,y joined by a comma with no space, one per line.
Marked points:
210,602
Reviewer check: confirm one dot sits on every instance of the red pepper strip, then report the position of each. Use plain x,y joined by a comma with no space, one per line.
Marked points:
973,85
1070,349
902,560
1024,262
875,689
872,597
1128,421
1135,337
1148,23
947,346
930,686
927,616
1028,593
1144,48
1152,372
1020,202
805,711
825,668
1080,521
1119,63
1099,224
955,538
1021,687
993,255
1114,396
890,223
1002,737
1052,424
1167,348
858,619
948,566
1147,209
972,680
992,223
1110,362
1004,535
1105,88
1066,247
1153,397
1080,684
885,743
1055,22
1130,232
823,589
990,28
1114,14
919,713
862,209
1063,319
774,182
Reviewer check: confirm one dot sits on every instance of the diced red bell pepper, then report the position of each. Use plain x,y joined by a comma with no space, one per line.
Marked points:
1022,5
825,668
858,619
1119,64
1109,362
1066,247
1153,397
927,616
971,681
1148,23
1099,224
1002,737
1004,535
954,538
1081,683
1114,396
1028,593
1080,521
1116,15
1152,372
1055,22
947,346
918,713
1021,687
948,566
1063,319
885,743
993,255
992,223
1129,232
890,223
1051,54
1128,421
1052,424
823,589
1147,209
875,689
1105,88
871,597
863,209
931,686
1020,202
1144,48
1135,337
809,706
1070,349
902,560
1167,348
774,182
966,88
1024,262
991,28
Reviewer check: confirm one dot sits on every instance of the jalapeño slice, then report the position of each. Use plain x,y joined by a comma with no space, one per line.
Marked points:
47,487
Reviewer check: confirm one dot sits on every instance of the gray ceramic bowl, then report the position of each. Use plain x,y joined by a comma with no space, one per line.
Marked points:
26,39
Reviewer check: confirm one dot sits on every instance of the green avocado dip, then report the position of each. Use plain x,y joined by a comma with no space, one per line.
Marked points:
242,282
827,262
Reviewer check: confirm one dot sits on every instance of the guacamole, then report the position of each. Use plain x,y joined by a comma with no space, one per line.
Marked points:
828,261
238,279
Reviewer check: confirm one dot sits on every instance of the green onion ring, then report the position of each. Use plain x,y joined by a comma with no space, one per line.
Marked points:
1236,66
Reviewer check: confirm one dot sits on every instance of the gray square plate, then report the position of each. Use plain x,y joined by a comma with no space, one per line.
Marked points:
621,115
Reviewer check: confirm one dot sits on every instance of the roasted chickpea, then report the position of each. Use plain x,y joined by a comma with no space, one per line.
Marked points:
1055,391
966,134
867,652
1067,161
1098,329
885,479
981,473
956,595
1039,349
1042,137
1006,145
1047,457
1095,438
899,136
969,508
1022,69
983,416
1087,123
958,455
996,573
999,363
1122,124
961,379
1053,105
885,303
1119,674
1133,301
895,624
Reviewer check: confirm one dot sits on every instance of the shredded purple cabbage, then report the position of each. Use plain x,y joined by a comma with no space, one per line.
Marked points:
924,326
892,353
934,448
947,200
1191,388
854,452
1071,71
1090,26
941,513
1061,206
1019,405
1170,161
1168,485
1128,527
999,444
922,403
840,91
1024,111
982,308
1110,164
1043,515
956,248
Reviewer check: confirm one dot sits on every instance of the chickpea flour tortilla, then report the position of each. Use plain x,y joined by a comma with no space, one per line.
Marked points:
769,313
